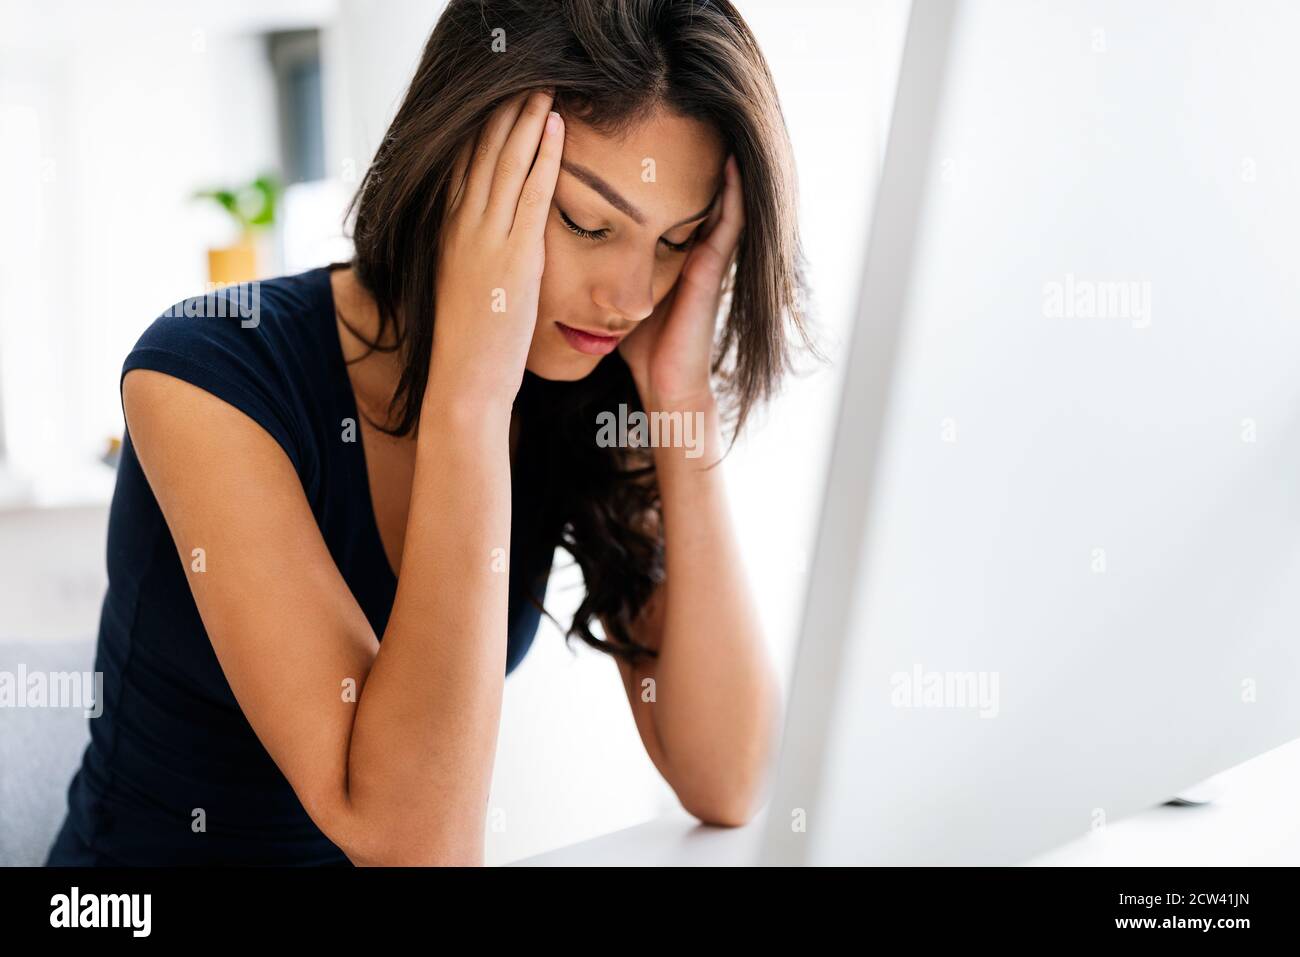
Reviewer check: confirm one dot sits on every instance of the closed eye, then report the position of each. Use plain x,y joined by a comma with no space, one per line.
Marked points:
584,233
598,234
680,247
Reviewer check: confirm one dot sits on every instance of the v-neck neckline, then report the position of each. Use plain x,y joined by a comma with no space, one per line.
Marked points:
358,465
359,470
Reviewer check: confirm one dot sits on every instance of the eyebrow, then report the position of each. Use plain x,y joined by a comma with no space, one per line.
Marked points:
612,196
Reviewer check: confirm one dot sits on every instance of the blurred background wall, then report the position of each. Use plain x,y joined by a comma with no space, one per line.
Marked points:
112,116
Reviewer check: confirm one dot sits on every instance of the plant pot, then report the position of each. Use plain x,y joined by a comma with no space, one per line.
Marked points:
233,264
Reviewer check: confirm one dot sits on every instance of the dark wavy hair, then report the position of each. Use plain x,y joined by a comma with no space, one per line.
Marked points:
611,63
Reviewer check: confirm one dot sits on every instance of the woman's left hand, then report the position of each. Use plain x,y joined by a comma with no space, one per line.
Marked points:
671,352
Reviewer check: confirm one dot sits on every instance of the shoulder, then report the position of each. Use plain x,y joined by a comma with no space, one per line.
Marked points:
259,347
268,321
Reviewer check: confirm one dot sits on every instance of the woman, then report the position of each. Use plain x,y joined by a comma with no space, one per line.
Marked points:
365,481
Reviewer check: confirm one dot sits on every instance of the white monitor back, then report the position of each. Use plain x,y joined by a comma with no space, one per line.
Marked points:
1079,349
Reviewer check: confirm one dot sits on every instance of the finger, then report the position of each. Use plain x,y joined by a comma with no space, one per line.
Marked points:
709,261
715,213
724,235
491,139
516,159
459,169
535,198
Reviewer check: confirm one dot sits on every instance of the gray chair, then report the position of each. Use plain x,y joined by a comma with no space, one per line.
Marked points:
40,750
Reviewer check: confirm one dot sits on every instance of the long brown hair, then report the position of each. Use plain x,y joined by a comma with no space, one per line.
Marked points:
611,63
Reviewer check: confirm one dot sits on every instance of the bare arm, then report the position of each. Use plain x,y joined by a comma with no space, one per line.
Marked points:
426,725
714,721
714,724
397,773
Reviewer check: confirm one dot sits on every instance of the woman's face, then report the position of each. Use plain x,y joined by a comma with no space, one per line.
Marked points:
623,215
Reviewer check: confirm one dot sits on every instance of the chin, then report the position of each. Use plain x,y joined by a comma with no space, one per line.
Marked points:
562,368
551,357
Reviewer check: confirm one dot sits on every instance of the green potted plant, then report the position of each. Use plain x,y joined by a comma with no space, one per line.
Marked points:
253,206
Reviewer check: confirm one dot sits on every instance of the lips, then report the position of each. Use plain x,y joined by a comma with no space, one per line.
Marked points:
588,343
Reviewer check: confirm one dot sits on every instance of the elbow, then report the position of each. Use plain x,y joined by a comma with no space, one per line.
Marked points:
407,855
723,816
368,842
731,802
736,799
725,811
406,850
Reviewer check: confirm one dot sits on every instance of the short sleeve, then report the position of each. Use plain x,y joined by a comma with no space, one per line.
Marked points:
204,341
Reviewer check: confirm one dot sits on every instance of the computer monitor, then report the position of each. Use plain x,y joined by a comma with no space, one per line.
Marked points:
1057,575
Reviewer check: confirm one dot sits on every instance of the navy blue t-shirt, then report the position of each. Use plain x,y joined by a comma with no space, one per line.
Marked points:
172,738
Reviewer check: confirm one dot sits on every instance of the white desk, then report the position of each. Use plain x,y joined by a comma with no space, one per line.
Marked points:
674,840
1252,822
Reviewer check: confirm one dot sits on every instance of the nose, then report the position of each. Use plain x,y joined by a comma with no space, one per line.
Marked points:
626,290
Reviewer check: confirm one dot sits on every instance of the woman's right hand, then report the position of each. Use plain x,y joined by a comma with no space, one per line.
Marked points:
491,253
